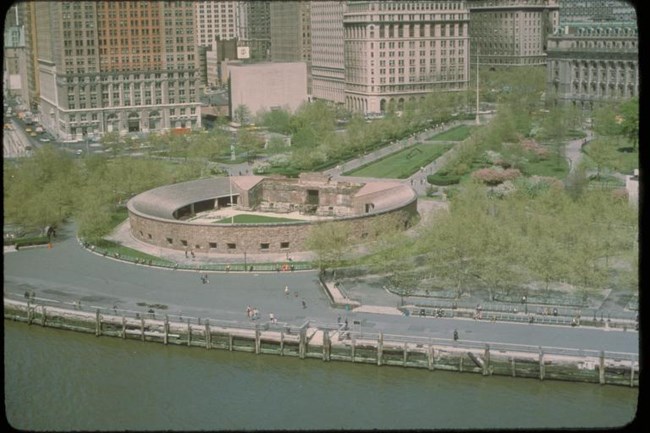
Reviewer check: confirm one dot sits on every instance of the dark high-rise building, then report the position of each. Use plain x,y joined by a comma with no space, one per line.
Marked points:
254,28
511,32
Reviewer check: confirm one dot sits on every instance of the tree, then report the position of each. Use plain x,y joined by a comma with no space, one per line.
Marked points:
602,153
329,241
242,114
277,121
630,121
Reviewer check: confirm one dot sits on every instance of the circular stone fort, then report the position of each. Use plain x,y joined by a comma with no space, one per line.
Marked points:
206,215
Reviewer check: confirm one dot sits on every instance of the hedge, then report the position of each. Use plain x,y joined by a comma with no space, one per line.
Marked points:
443,179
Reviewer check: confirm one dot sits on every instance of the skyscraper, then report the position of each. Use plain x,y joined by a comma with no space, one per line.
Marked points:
116,67
398,51
291,33
215,19
327,53
254,28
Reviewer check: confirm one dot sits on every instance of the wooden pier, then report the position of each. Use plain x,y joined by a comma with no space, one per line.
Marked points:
333,343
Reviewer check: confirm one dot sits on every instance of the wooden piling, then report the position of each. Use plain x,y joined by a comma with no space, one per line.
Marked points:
98,323
208,335
189,333
166,329
43,315
327,345
142,328
257,340
631,373
541,364
460,364
353,347
405,353
601,368
380,347
430,358
123,327
512,363
30,313
303,343
281,343
486,360
230,341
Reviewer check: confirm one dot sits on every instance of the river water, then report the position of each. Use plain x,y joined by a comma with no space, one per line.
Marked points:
66,381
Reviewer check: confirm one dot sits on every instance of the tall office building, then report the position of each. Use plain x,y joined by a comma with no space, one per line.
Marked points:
215,19
511,32
593,56
15,57
397,51
327,52
254,28
116,66
291,33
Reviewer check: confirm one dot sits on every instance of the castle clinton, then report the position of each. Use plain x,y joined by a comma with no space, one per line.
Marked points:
199,215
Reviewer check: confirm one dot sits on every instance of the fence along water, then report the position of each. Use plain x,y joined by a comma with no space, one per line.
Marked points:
334,342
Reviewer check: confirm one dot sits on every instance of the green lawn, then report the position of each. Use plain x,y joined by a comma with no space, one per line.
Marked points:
551,167
404,163
458,133
255,219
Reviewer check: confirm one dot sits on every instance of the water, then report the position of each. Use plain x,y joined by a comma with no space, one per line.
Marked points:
65,381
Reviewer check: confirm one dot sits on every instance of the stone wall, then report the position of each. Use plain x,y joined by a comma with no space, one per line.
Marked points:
249,238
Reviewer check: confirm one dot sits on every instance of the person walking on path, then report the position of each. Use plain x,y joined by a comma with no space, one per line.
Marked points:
286,290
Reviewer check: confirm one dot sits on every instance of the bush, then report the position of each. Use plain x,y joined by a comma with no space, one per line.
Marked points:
40,240
441,179
495,176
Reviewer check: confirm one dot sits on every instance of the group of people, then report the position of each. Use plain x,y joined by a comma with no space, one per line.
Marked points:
204,279
252,313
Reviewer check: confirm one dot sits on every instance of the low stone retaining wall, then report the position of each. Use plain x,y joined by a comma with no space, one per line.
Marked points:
336,343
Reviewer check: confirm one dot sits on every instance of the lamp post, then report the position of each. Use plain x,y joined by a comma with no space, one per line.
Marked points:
478,49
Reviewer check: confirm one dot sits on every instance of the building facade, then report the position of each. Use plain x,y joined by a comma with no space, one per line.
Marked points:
254,28
590,63
511,32
117,67
268,86
327,52
397,51
593,55
215,20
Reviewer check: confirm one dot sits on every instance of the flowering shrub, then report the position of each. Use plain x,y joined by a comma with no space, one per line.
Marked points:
534,147
503,189
495,175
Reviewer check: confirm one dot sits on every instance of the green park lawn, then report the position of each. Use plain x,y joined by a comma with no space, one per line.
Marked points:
458,133
255,219
404,163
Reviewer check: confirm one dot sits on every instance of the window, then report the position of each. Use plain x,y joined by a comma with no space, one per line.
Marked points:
284,245
170,241
231,246
264,246
213,245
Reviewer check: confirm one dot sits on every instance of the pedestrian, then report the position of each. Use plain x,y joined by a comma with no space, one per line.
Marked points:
286,290
256,313
304,304
192,253
185,252
338,320
249,311
206,278
455,335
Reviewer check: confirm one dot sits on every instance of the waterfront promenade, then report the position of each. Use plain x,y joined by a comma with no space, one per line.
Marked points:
72,274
